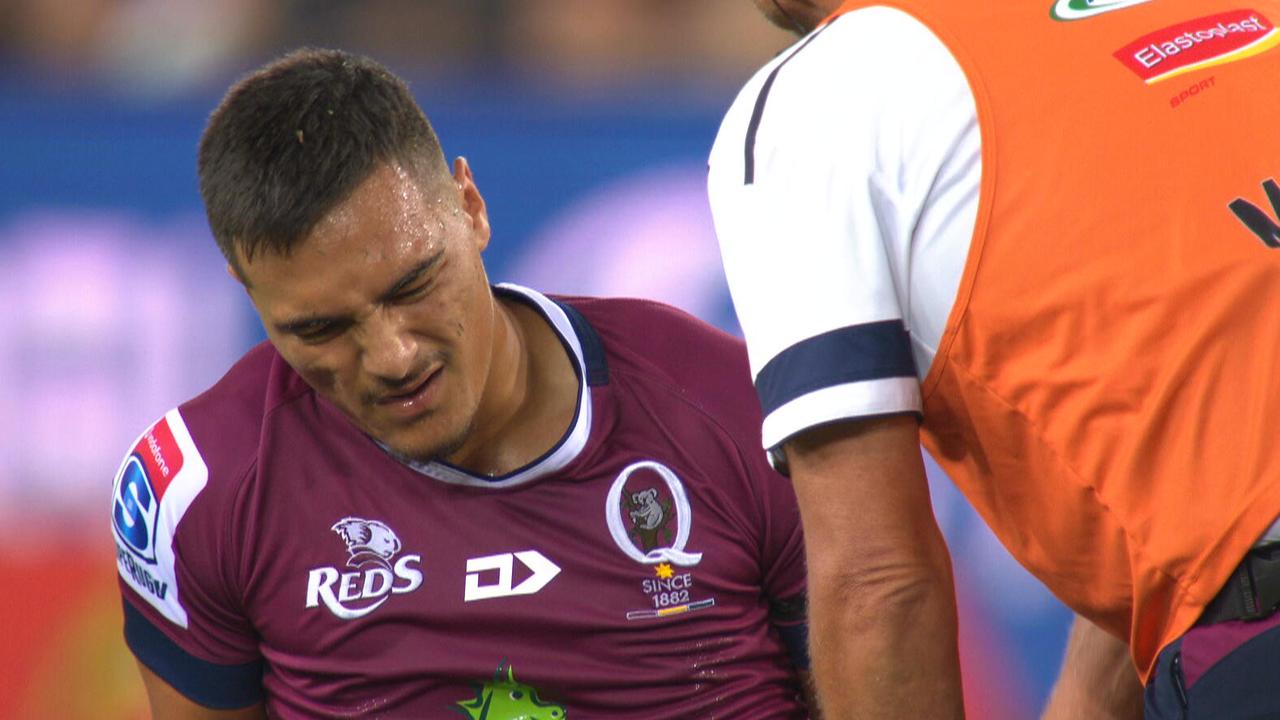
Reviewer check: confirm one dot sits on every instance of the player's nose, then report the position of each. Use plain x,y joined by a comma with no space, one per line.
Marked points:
388,350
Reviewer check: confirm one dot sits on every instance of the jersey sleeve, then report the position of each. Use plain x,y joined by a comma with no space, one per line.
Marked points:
180,619
782,556
782,539
816,184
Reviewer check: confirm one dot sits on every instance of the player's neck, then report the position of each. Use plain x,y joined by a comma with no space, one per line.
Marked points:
529,398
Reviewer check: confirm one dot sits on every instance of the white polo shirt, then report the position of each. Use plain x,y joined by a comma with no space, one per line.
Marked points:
844,186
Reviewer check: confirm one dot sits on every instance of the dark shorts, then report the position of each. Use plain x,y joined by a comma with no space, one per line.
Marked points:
1225,671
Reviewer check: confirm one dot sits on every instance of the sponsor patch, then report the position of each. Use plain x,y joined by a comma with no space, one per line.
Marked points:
482,585
1064,10
140,487
1197,44
153,488
505,698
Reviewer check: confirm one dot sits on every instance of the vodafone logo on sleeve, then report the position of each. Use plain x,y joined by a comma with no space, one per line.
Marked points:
153,488
1200,43
140,487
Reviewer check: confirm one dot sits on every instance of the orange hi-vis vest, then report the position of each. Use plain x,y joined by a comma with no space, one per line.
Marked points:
1107,390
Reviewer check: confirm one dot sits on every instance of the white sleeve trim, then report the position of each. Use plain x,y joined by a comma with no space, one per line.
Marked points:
841,402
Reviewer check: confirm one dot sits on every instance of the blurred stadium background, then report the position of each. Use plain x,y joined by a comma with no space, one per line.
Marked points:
587,123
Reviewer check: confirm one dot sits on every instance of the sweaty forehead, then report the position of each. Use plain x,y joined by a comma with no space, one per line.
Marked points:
359,250
388,215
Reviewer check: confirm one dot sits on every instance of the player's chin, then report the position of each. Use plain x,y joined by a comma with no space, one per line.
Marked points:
424,445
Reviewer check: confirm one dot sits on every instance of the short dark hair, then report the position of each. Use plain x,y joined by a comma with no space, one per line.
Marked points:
295,138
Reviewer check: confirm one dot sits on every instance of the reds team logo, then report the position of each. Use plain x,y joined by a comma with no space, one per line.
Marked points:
368,541
377,573
649,515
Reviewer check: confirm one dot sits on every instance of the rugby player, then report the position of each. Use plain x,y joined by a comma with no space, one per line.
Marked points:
428,496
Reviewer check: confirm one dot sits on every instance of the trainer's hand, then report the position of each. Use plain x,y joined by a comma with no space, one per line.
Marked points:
1097,680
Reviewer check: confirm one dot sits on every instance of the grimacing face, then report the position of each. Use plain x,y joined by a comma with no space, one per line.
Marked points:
385,309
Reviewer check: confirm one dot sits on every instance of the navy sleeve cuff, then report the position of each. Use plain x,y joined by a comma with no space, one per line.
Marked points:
790,618
222,687
871,351
796,639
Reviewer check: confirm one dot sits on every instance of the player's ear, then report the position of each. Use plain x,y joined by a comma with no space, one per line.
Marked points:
238,275
472,201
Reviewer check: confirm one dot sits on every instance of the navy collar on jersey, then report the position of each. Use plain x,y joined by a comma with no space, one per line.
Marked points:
592,349
587,352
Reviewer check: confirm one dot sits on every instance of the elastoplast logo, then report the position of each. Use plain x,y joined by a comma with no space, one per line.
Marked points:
1080,9
1198,44
377,574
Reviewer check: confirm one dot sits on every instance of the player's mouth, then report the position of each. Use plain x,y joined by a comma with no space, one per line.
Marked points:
417,400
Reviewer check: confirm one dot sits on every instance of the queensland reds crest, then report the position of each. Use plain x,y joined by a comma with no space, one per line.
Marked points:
372,547
649,515
368,541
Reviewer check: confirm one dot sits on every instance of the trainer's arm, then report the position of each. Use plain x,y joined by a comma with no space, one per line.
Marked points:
169,704
882,608
1097,679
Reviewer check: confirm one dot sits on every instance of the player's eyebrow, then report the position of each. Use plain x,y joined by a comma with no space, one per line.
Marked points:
311,322
302,325
412,276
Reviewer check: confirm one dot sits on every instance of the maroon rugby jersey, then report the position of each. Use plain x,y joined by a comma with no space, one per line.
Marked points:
269,549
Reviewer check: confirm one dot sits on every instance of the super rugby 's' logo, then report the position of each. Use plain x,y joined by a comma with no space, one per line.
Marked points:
372,547
156,484
649,515
136,509
140,486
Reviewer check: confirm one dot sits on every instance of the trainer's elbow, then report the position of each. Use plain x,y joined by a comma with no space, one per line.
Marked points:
903,580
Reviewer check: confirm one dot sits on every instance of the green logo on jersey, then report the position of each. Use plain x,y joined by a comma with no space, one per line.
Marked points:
504,698
1079,9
